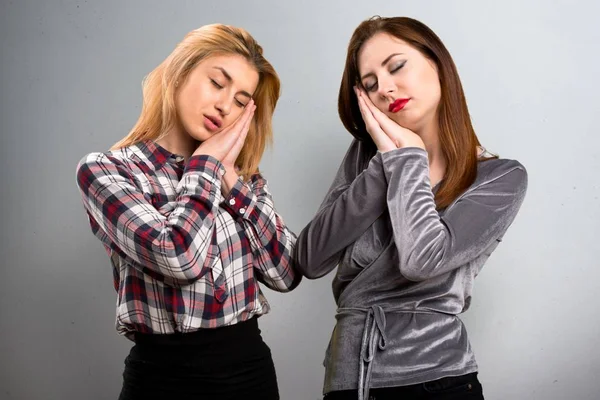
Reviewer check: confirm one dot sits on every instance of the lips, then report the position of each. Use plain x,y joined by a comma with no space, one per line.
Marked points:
212,123
214,120
398,105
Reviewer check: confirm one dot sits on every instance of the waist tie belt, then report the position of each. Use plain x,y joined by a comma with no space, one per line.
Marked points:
373,338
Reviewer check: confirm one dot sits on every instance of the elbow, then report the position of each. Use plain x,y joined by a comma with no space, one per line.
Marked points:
311,275
414,273
290,286
300,263
418,269
420,264
295,283
313,269
282,280
301,268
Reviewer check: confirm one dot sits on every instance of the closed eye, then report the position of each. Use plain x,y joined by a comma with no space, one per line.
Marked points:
216,84
370,88
373,86
398,67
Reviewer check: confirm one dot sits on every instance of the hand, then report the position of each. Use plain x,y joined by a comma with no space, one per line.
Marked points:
386,133
232,171
227,144
246,119
382,140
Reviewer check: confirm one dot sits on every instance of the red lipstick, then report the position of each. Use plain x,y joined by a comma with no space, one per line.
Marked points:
398,105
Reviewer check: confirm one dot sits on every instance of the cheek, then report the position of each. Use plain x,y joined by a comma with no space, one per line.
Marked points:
428,87
233,115
184,104
379,102
435,91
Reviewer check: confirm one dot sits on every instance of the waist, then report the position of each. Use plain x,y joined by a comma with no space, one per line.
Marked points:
392,310
393,346
241,333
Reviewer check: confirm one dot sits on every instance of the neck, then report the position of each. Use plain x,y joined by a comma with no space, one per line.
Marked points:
177,141
430,136
437,161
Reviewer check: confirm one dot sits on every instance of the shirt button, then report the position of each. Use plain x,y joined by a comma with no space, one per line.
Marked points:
232,202
222,172
242,210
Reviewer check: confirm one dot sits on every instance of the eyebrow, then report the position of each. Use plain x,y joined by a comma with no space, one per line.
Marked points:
230,80
382,64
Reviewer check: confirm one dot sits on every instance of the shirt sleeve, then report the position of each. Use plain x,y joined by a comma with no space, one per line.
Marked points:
355,200
429,245
172,248
271,241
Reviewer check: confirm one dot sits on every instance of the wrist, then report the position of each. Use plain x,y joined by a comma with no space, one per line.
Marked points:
228,180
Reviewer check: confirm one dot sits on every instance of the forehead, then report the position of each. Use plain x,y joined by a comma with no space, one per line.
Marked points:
243,73
379,47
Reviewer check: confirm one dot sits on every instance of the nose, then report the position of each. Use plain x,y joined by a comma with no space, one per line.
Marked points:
223,105
387,86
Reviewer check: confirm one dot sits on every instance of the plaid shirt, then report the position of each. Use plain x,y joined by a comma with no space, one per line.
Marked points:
183,257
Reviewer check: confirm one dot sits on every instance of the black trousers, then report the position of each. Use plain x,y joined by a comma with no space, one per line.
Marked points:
452,388
224,363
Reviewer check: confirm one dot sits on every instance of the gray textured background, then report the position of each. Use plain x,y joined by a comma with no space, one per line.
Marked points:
70,84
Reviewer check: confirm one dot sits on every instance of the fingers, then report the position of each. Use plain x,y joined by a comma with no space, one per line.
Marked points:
237,146
383,120
241,139
381,139
365,110
246,115
238,123
386,123
229,136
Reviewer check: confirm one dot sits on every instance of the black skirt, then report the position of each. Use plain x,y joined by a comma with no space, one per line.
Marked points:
225,363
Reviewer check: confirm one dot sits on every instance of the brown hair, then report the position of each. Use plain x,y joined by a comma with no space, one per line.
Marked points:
159,113
457,136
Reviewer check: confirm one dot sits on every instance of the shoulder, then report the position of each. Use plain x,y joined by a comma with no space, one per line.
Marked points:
502,171
96,164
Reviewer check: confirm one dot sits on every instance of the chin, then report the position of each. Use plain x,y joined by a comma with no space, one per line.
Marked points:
201,135
404,121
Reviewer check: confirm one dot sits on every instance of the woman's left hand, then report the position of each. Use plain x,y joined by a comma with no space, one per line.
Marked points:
232,171
375,121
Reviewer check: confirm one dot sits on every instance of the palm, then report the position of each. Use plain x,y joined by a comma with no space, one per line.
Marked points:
386,134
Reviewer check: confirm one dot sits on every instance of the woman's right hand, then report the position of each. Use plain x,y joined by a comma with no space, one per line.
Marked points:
221,144
386,133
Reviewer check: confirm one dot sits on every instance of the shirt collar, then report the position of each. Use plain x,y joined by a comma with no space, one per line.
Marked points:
158,155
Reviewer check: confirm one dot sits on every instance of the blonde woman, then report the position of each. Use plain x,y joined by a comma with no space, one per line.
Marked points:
189,223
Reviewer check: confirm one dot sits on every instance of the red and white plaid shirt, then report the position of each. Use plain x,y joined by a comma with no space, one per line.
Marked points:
183,257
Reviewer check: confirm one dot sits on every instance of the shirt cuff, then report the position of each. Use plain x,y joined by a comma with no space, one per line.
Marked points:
258,183
241,201
205,164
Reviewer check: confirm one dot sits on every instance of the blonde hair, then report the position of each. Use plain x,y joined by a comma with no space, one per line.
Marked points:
159,114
